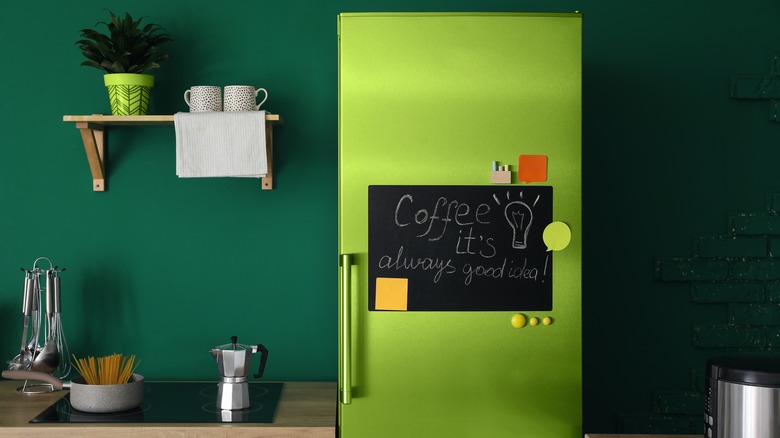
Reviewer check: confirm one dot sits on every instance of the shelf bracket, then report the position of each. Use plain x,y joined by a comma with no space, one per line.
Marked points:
93,136
268,179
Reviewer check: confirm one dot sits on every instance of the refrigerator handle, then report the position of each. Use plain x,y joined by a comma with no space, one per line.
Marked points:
345,372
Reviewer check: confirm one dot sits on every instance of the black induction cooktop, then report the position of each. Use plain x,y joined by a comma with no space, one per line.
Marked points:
176,402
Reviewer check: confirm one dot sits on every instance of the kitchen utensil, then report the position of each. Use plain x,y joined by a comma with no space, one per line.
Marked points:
90,398
33,345
48,359
24,358
54,356
233,362
64,366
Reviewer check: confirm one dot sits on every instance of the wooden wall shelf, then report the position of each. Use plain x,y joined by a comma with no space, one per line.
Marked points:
93,135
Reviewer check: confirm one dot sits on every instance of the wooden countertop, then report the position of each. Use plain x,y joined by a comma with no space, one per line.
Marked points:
306,409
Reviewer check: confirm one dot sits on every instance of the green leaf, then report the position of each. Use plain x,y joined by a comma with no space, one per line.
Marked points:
127,47
90,63
118,67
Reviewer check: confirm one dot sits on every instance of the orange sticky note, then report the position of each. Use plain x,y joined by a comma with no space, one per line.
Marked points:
532,168
391,293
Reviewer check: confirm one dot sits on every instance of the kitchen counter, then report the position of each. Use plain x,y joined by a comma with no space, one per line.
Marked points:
306,409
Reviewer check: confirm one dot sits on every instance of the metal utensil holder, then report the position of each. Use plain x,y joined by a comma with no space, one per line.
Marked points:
34,292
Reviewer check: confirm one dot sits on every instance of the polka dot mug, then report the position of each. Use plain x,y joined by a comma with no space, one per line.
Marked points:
243,98
203,98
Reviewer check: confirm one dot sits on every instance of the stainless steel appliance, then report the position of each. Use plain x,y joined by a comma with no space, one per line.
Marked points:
234,360
743,397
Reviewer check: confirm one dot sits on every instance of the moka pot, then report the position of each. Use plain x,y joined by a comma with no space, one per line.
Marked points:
233,362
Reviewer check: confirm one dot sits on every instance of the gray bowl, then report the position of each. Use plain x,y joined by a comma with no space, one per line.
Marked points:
106,398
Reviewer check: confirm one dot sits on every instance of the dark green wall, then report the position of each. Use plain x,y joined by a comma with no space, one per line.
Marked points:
167,268
667,155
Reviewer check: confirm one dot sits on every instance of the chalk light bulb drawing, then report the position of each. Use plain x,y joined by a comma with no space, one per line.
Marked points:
519,216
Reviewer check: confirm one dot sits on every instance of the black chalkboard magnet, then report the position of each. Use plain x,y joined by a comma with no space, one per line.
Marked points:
391,293
460,248
501,177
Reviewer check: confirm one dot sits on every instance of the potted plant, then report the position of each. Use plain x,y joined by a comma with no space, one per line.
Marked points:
125,53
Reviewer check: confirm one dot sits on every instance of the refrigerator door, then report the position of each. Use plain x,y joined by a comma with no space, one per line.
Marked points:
434,99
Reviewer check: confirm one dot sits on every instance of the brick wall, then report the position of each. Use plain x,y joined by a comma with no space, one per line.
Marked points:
741,271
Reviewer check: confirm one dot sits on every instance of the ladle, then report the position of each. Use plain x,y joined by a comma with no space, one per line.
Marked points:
25,356
48,359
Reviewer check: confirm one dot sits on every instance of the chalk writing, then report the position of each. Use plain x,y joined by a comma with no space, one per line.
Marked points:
411,263
463,247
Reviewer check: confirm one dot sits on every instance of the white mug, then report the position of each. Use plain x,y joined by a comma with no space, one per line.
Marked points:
203,98
243,98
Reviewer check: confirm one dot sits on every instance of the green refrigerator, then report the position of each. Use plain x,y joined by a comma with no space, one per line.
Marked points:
445,119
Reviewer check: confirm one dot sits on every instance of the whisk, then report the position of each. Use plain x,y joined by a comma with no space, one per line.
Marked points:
64,367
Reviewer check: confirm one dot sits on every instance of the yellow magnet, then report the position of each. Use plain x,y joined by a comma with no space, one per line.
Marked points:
518,320
547,320
534,321
556,236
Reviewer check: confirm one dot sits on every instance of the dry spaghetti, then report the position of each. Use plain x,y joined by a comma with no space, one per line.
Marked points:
115,369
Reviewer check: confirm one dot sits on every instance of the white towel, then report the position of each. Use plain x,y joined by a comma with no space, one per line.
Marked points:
213,144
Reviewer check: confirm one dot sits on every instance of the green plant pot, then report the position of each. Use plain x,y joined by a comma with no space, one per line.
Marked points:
129,93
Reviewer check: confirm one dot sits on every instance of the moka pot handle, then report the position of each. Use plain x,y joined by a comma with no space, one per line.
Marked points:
263,357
